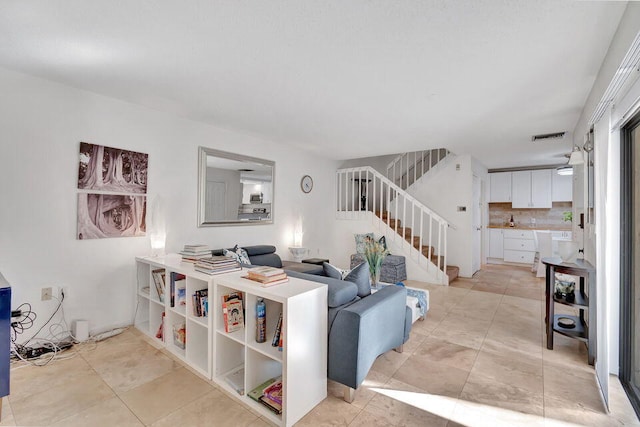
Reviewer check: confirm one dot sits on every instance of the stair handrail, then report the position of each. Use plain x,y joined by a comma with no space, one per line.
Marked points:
441,224
418,156
395,187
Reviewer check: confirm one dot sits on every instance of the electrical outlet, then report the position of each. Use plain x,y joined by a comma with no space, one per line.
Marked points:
46,294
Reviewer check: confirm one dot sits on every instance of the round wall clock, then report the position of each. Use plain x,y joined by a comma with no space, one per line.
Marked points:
306,184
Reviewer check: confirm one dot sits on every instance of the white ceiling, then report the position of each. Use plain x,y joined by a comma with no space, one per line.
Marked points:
344,78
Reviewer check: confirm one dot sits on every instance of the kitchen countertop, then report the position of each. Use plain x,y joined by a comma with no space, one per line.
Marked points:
526,227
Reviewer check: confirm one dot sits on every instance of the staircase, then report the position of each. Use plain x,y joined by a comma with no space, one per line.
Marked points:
421,234
407,168
427,251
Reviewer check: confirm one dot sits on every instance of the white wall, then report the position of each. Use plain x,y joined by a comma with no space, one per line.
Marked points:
443,190
607,174
42,124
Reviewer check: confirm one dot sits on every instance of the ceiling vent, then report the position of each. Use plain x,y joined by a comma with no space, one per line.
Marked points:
548,136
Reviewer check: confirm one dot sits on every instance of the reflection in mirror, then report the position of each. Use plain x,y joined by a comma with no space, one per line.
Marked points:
234,189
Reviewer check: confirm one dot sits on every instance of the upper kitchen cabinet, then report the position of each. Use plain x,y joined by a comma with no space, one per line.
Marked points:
562,188
531,189
500,187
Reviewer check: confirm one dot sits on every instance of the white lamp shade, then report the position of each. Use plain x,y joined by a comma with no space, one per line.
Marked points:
565,170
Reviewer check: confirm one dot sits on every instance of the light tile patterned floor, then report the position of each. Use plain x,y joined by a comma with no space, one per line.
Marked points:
477,360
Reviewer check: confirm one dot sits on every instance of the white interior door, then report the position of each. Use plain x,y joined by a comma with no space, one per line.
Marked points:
215,201
477,224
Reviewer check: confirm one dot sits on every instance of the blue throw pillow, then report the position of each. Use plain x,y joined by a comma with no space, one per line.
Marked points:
358,275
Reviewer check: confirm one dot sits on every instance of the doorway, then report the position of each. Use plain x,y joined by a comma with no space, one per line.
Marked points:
476,226
630,262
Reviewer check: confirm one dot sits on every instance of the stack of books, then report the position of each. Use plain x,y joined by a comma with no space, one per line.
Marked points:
269,394
267,276
193,253
217,264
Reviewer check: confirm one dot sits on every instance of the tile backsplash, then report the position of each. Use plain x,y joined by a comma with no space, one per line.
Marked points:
500,213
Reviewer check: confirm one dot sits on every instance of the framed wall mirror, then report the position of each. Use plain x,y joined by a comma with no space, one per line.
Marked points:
234,189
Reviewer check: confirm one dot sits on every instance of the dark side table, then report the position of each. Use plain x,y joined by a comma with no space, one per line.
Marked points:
585,299
317,261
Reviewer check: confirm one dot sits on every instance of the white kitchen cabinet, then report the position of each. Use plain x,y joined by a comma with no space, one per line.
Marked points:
519,246
531,189
561,188
496,243
500,187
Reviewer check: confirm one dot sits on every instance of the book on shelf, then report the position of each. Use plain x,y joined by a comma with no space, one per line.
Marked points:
269,279
181,292
235,379
258,394
196,248
274,406
267,283
176,279
160,332
214,271
180,335
200,303
233,315
217,265
265,271
276,335
158,276
258,391
274,392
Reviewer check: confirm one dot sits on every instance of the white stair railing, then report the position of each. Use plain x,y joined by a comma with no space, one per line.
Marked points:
407,168
364,189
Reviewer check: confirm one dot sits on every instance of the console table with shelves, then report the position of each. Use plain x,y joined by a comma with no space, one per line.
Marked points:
585,300
215,354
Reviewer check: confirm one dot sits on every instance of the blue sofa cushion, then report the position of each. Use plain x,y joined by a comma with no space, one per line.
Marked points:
259,250
358,275
339,292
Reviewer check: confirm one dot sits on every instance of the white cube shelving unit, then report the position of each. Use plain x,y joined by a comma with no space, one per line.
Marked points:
214,353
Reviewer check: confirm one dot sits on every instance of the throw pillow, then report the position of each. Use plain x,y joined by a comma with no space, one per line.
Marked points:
361,239
383,242
358,275
238,254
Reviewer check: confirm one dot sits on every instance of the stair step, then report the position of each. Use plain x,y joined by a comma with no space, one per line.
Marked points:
452,272
404,231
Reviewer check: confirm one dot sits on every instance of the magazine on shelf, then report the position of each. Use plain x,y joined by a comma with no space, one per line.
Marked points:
274,392
176,280
257,392
179,335
235,379
233,315
158,279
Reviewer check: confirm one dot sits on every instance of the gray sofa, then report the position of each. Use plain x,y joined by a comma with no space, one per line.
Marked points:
360,328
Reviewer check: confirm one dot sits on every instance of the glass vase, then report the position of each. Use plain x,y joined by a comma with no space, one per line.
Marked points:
375,279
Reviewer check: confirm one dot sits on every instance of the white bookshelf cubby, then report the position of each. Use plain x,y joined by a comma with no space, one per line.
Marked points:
215,354
198,346
302,363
